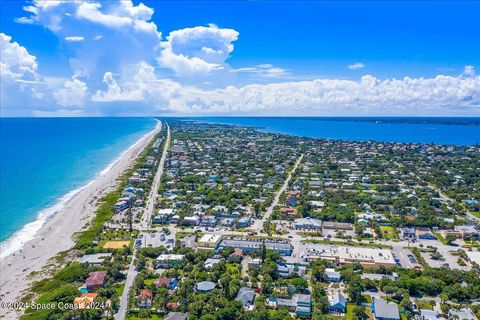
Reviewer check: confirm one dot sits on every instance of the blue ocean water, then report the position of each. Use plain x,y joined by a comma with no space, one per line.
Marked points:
43,159
450,131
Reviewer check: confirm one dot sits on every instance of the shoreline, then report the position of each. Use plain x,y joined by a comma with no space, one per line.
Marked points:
59,223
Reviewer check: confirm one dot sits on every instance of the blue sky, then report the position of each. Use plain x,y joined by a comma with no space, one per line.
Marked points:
243,57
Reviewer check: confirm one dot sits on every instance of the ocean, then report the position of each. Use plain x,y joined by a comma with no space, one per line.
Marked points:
449,131
44,161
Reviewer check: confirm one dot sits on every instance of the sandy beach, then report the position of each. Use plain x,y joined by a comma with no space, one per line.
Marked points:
56,234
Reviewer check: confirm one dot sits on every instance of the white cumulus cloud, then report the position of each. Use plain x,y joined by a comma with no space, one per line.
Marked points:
469,70
21,85
114,22
16,62
198,50
73,93
369,95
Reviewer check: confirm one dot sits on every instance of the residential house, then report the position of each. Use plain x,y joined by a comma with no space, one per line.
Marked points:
85,301
244,222
210,262
288,211
301,304
145,298
205,286
254,263
95,259
461,314
209,221
383,310
286,270
428,314
317,205
169,260
95,280
332,275
246,296
176,316
169,283
337,303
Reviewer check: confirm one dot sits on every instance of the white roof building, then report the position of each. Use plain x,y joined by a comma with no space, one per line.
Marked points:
368,257
473,256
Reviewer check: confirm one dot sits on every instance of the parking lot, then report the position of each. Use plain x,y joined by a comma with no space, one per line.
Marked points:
405,258
448,259
155,239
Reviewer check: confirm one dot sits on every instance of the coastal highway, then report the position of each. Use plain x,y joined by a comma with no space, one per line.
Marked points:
144,223
152,198
258,224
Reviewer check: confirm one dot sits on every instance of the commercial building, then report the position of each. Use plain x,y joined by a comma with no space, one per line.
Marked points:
337,225
307,224
251,245
209,241
368,257
424,233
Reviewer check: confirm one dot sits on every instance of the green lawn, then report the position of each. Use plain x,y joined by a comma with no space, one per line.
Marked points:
389,233
475,213
440,237
424,304
119,289
149,282
349,314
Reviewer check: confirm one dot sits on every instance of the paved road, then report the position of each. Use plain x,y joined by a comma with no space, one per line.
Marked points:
132,272
152,198
258,224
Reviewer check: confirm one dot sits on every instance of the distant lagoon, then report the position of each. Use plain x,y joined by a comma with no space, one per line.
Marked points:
448,131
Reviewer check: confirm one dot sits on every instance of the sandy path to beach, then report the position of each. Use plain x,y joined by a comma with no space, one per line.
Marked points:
56,234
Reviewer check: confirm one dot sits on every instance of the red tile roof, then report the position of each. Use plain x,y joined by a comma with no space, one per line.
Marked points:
162,282
96,278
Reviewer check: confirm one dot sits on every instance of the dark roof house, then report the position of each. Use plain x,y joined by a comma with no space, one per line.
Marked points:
246,296
95,280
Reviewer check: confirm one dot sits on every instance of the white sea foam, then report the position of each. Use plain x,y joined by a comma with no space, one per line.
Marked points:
28,231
